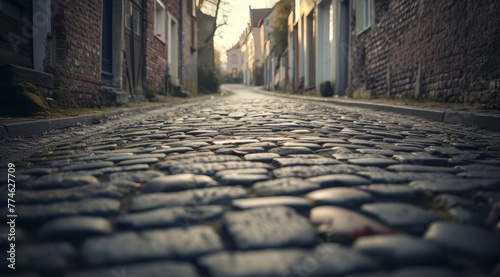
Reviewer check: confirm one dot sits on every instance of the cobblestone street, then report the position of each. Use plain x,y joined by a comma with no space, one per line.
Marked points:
250,184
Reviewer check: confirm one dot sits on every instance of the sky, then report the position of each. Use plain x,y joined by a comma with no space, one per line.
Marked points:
237,20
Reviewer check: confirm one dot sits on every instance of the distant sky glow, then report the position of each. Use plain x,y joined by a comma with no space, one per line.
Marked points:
237,20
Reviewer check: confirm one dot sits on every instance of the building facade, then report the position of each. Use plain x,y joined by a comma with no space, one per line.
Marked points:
302,42
234,64
171,42
332,44
91,46
252,48
442,50
268,45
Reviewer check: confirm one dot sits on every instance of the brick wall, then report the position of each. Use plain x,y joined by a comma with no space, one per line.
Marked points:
444,50
157,51
77,26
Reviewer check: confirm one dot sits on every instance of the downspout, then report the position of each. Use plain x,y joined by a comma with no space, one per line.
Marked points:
182,41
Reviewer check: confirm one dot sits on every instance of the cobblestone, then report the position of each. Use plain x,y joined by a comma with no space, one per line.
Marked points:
46,257
59,181
294,202
470,241
256,185
92,206
343,197
168,217
150,245
284,186
150,269
177,182
401,250
402,216
268,227
75,227
344,223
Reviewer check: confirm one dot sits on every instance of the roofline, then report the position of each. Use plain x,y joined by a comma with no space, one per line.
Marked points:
267,14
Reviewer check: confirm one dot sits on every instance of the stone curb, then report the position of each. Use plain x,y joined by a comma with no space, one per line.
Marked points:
46,125
491,122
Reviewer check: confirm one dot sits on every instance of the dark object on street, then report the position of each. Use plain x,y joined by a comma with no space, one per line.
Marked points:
326,89
300,88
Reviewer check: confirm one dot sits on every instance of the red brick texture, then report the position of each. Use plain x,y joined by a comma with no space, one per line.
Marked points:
77,26
455,44
156,50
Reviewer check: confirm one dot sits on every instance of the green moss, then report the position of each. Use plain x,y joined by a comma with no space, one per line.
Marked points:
22,100
28,87
36,104
64,99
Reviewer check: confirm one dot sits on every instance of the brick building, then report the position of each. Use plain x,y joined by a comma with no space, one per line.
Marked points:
91,46
442,50
171,49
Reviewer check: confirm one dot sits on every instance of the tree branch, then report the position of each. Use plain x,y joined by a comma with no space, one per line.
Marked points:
215,23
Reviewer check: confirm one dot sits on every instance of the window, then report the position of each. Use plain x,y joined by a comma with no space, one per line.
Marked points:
173,48
137,22
234,58
363,15
366,14
235,73
128,13
160,21
133,18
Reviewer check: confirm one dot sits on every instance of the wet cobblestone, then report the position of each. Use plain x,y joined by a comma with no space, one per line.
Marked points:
255,185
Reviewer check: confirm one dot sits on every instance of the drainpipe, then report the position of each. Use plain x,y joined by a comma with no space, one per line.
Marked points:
182,41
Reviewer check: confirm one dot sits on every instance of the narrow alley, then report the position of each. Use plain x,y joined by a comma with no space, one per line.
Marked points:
249,184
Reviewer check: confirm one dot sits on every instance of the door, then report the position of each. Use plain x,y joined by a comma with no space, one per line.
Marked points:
342,47
173,49
324,38
16,32
107,46
134,47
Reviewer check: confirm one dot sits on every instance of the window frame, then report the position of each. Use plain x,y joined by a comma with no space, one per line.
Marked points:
367,14
364,15
160,31
137,20
128,9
